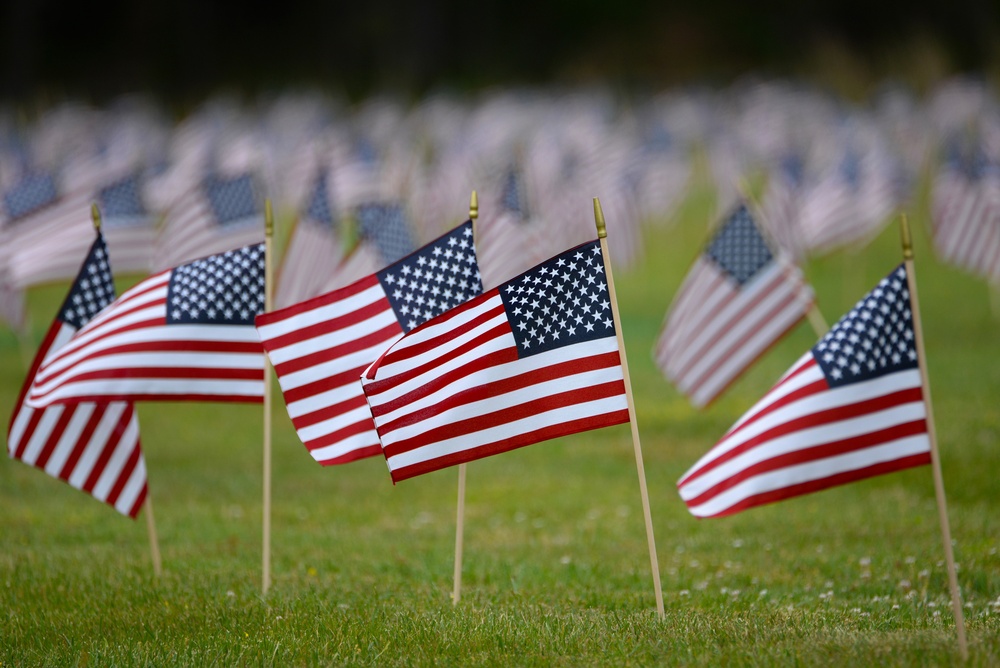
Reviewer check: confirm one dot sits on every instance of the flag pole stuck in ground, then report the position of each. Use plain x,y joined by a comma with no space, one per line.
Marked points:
602,235
942,504
460,512
268,298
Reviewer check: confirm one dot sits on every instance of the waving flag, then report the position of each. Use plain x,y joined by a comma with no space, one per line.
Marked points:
320,347
127,222
92,446
182,334
314,250
737,300
532,359
219,213
852,407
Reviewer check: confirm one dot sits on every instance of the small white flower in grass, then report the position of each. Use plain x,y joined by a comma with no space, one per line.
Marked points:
924,573
910,560
865,561
230,594
701,586
735,593
968,605
565,559
828,584
684,592
931,604
694,563
762,593
738,543
895,606
904,584
937,613
724,590
855,610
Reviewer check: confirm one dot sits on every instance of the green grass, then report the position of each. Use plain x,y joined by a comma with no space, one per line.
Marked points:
556,563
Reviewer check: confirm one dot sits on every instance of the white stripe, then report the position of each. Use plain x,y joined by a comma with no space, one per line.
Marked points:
161,386
296,322
133,487
41,434
341,420
119,457
345,446
335,339
81,413
500,432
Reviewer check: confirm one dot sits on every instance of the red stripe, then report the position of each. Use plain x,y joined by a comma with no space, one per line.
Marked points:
330,438
36,416
812,453
304,332
102,462
332,353
815,419
187,396
139,500
323,384
512,443
156,373
124,475
800,489
316,302
495,418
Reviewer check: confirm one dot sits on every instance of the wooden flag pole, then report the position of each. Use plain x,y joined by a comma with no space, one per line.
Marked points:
602,235
268,298
456,593
956,595
154,543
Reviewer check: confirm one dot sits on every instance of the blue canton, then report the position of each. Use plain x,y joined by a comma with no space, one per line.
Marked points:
223,289
233,200
512,197
93,289
434,279
874,339
319,209
738,248
561,302
384,224
121,201
32,193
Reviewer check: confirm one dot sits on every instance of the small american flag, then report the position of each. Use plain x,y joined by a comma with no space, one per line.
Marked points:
737,300
92,446
320,347
385,225
852,407
128,224
533,359
182,334
220,213
314,250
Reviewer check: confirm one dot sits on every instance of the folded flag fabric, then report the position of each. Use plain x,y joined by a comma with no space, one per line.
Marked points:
739,298
184,334
852,407
320,347
92,446
533,359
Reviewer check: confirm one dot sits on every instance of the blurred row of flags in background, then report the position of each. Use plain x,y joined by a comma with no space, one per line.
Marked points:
368,183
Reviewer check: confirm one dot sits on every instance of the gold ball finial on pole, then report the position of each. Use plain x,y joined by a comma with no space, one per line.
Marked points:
95,215
904,232
474,206
602,230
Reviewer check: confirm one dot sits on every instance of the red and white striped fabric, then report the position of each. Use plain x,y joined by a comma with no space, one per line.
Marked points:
533,359
180,335
92,446
735,303
852,407
320,347
967,221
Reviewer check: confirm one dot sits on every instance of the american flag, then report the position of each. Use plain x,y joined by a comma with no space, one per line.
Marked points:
219,213
737,300
385,225
128,224
45,230
92,446
852,407
966,213
781,205
314,250
182,334
532,359
320,347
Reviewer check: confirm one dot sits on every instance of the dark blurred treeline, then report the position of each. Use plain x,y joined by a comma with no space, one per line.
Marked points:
183,50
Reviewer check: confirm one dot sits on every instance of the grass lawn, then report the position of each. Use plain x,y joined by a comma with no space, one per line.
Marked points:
556,567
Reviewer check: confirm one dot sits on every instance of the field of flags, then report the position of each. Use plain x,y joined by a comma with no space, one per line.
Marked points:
396,329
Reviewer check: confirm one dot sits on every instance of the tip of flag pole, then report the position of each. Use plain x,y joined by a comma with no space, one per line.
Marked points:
904,232
474,206
602,230
268,218
95,216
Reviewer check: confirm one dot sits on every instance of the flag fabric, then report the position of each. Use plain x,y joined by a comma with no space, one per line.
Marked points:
385,225
127,222
532,359
320,347
184,334
219,213
739,298
314,250
92,446
852,407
